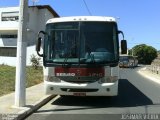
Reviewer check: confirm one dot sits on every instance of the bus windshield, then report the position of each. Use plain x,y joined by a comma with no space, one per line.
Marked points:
124,58
81,43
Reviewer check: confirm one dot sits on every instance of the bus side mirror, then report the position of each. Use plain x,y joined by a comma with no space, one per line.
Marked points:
123,44
123,47
38,44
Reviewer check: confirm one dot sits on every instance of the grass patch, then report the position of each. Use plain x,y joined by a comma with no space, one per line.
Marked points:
7,78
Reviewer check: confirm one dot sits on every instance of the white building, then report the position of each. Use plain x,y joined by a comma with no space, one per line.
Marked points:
9,16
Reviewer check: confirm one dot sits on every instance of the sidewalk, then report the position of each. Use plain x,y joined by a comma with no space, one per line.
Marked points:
149,74
35,98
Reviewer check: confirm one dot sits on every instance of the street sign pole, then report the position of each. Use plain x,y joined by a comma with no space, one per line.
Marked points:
20,88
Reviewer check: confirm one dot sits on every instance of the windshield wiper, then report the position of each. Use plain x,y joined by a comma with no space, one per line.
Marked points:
65,59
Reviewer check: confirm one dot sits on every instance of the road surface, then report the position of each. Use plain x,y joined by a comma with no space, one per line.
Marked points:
136,95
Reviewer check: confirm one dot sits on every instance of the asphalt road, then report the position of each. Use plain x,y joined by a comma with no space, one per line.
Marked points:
136,95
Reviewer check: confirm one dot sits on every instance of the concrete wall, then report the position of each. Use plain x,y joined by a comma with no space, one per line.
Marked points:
37,19
5,25
12,60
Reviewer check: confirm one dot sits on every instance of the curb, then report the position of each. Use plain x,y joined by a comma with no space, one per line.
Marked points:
29,110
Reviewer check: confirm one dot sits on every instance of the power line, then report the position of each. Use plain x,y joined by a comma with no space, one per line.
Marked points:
34,2
87,7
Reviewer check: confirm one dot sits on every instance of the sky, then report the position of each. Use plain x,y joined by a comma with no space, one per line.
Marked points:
138,19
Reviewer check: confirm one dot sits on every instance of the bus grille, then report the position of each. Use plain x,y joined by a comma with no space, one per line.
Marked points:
81,79
78,90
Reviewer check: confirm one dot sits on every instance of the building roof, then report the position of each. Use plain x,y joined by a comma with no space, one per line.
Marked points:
47,7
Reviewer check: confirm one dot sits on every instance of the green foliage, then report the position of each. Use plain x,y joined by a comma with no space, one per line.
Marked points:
35,61
130,52
146,54
7,78
34,76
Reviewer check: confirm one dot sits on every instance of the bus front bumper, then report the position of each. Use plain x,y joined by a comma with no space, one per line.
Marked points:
74,89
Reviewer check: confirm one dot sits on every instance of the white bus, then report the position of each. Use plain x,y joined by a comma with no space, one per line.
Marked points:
81,55
128,61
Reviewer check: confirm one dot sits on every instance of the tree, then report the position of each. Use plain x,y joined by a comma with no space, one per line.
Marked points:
35,61
146,54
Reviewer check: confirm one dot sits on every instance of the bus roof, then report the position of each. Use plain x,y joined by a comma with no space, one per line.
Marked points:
82,18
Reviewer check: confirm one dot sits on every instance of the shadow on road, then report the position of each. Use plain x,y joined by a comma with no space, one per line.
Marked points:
129,96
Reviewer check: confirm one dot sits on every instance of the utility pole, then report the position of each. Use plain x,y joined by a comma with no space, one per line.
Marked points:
20,88
132,51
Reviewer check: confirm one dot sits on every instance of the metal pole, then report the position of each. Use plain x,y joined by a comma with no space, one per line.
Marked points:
132,51
20,91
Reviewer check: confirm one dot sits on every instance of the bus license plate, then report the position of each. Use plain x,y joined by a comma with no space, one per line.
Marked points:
79,94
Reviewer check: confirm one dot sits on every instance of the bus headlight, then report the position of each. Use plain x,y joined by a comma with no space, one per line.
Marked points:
52,79
108,79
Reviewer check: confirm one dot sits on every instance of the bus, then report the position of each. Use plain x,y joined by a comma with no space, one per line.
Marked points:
81,55
128,61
